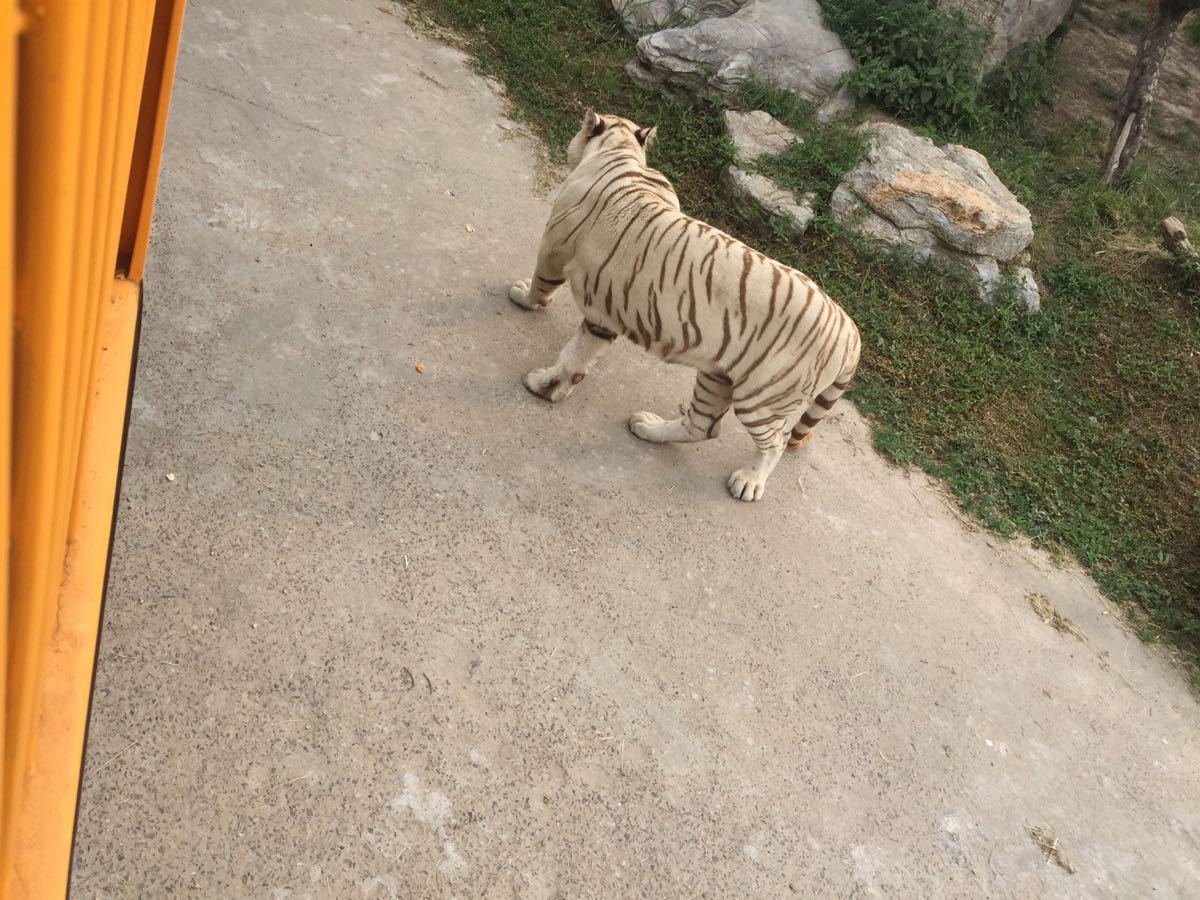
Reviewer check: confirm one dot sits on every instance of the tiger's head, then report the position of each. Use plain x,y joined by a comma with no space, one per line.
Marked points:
607,133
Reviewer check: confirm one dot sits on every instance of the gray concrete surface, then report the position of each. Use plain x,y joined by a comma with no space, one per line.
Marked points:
397,635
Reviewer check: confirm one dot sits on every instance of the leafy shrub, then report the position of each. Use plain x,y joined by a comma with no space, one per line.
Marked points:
914,59
1013,91
923,64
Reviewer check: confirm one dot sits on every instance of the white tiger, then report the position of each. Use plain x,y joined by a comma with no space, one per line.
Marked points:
763,337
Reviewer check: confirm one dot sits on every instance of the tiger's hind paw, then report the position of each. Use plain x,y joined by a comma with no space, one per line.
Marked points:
549,384
747,485
795,443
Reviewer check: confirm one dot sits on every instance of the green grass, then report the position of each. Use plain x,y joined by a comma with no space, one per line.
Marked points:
1078,427
1107,91
1130,22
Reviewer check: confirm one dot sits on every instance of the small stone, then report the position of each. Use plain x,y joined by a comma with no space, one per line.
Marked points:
757,134
170,476
779,204
420,368
987,275
1027,289
406,680
942,204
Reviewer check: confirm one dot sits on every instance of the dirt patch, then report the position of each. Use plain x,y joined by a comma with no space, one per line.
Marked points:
1045,610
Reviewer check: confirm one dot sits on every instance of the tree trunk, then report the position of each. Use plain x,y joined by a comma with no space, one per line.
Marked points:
1133,110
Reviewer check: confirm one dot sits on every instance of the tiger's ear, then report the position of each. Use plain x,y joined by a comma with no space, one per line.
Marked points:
645,136
593,125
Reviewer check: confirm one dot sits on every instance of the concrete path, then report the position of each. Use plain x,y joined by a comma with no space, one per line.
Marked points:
372,633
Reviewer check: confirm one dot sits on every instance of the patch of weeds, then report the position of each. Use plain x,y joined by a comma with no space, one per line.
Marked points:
1129,22
791,109
1106,90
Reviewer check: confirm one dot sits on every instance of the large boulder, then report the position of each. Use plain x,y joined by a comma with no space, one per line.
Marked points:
949,193
782,42
645,16
942,203
1012,23
755,135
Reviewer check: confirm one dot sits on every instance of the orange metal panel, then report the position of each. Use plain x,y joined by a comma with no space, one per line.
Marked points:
44,825
8,174
51,73
152,128
80,85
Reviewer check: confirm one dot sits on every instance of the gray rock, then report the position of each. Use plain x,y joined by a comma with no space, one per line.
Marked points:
777,204
850,211
987,275
645,16
1027,289
1012,23
757,134
933,197
941,204
781,42
992,282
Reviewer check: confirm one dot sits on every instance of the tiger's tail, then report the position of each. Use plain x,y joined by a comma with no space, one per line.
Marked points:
823,403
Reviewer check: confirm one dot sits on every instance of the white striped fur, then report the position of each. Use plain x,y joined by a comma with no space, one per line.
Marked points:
763,337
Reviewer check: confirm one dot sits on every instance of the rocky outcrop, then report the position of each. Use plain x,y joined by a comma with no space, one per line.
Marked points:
1012,23
782,42
943,203
755,135
646,16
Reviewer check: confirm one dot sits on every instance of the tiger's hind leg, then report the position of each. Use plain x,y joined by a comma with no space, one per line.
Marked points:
711,399
822,403
586,345
769,430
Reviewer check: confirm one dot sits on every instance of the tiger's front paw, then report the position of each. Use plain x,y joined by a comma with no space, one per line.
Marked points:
519,294
549,384
647,426
747,485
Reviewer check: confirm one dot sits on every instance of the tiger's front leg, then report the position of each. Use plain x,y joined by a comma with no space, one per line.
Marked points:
701,421
548,276
587,345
